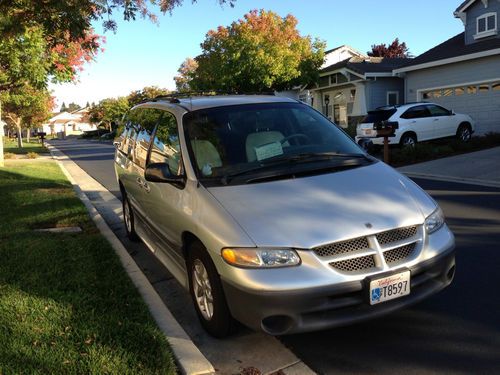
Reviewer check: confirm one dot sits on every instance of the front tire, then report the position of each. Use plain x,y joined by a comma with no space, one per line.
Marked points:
464,133
129,220
207,293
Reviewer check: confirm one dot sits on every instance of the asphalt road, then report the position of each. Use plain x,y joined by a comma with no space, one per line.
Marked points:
456,331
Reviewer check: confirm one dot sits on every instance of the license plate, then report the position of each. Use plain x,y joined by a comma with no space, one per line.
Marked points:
389,287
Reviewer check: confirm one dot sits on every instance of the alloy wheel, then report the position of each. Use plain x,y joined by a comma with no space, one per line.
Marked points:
202,289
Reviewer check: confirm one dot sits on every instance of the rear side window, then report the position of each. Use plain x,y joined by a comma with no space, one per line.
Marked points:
418,111
379,115
143,120
436,110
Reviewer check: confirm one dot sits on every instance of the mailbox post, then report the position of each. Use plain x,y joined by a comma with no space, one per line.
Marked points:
386,129
42,137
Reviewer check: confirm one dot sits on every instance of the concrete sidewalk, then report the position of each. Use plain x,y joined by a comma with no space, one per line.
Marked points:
479,168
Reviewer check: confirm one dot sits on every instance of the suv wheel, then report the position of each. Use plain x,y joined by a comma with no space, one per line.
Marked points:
408,140
464,133
207,293
128,219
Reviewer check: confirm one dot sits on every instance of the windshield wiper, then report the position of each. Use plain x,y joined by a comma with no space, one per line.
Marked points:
311,156
291,159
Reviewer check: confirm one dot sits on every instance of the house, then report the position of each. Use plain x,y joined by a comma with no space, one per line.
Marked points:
463,73
74,123
347,89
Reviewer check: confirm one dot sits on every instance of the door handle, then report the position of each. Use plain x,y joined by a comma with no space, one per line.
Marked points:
143,184
413,122
436,119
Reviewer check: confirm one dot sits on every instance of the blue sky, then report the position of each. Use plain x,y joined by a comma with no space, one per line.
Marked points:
144,54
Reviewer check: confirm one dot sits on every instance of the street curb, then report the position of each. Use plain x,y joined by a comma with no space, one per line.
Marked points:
188,357
460,180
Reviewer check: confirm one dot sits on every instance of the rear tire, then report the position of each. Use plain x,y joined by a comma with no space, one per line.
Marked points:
129,220
207,293
464,133
408,140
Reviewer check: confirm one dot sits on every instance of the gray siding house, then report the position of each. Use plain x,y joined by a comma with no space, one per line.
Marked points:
463,73
348,89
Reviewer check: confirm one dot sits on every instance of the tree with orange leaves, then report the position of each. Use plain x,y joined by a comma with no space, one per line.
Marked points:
260,52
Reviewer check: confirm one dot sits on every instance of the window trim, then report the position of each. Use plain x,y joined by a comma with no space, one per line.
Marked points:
486,32
389,93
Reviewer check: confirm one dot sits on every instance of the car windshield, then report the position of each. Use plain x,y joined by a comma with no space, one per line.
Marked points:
242,140
378,115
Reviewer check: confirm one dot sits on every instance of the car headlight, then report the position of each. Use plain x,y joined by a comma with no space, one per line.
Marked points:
434,221
260,257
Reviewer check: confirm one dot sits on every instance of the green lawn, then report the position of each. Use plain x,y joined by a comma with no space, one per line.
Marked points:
66,304
10,145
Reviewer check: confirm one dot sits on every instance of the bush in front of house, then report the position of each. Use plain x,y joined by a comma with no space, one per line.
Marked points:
31,155
9,155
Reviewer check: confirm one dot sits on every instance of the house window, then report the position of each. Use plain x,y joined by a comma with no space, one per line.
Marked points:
486,25
471,89
495,86
459,91
484,88
427,95
392,97
447,92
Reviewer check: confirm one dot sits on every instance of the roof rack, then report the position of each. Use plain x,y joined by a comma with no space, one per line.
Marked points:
174,97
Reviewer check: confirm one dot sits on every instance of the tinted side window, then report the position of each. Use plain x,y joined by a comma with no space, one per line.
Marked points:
436,110
166,147
144,121
416,112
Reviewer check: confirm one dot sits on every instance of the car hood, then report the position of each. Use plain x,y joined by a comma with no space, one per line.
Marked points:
315,210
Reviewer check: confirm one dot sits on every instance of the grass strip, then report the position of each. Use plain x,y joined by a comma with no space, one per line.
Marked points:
66,304
10,145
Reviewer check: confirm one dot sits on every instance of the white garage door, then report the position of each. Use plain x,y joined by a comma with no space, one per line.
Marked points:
480,101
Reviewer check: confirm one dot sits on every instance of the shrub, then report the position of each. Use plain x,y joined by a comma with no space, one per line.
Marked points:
31,155
9,155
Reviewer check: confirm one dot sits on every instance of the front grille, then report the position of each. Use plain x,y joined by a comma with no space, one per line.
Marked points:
396,235
399,254
342,247
355,264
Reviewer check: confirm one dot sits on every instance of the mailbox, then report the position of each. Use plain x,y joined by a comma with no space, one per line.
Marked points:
41,134
386,128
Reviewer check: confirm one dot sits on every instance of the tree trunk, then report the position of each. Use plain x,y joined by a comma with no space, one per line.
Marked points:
19,133
28,135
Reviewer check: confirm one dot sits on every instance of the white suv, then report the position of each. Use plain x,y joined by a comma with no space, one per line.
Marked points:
416,122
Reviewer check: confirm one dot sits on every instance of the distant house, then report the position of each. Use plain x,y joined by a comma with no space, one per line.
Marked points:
347,89
463,73
74,123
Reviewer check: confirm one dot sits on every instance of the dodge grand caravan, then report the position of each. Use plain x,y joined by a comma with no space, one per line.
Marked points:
270,214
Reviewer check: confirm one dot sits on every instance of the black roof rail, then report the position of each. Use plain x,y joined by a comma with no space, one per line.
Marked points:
174,97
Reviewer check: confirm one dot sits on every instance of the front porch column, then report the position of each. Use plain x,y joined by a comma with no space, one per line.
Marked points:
359,105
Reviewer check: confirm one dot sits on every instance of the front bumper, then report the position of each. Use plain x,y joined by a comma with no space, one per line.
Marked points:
330,306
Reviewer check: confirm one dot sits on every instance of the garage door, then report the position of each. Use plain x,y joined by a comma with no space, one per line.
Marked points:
480,101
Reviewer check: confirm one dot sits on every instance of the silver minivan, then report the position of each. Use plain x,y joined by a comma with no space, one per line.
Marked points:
271,215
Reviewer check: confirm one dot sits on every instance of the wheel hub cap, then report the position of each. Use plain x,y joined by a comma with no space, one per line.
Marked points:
202,290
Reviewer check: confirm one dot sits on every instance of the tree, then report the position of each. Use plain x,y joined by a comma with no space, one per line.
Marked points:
109,111
72,107
149,92
25,107
63,108
261,52
393,50
187,72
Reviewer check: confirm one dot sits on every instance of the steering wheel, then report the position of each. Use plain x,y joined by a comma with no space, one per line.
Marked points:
296,135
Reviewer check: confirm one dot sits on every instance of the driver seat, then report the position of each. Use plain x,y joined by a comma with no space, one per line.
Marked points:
261,138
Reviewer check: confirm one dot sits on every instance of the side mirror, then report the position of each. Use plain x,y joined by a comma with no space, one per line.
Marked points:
160,172
452,112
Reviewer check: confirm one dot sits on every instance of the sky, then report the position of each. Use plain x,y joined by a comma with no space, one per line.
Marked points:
143,54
